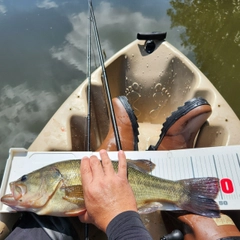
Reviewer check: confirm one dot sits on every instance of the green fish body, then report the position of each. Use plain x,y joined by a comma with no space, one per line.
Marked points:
56,190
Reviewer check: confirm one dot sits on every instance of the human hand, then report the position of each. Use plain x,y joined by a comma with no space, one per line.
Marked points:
106,193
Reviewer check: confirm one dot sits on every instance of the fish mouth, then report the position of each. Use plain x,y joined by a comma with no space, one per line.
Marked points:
9,200
13,199
18,190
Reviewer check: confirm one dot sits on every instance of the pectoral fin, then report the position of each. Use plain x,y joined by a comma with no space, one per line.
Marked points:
74,194
75,212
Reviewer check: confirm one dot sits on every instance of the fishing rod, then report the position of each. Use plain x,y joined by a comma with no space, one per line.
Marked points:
106,86
104,78
86,226
89,81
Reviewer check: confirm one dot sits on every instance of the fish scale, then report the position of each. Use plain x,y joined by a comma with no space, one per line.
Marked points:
150,191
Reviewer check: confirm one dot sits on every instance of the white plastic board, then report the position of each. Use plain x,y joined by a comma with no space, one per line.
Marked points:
221,162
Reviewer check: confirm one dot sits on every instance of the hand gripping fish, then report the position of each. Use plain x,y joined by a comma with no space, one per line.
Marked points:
57,190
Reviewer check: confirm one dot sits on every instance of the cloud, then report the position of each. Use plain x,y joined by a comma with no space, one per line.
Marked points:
47,4
112,23
23,113
3,9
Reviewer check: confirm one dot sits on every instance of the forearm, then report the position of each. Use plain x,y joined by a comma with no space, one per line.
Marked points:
127,225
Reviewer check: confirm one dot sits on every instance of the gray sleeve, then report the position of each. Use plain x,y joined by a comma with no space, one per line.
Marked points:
127,225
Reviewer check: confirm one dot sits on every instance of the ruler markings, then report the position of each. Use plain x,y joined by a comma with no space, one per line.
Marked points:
184,166
195,164
199,166
227,169
224,171
190,173
208,169
196,167
236,168
181,166
219,165
238,160
157,170
231,170
175,164
215,166
205,168
177,167
191,162
201,163
224,161
167,168
236,178
163,168
213,172
171,168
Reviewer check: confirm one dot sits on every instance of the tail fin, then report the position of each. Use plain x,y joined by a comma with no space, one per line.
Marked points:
200,193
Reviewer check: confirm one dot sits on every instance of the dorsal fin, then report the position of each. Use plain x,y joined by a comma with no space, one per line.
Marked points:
142,165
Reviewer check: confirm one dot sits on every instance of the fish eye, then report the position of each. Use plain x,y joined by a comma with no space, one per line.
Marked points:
57,173
23,178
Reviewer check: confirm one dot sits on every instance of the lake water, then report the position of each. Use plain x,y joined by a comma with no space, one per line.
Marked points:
43,49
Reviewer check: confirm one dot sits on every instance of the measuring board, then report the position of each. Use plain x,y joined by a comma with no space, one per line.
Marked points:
221,162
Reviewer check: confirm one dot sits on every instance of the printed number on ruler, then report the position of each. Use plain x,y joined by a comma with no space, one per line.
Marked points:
226,186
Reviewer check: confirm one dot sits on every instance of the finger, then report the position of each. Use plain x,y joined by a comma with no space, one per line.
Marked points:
85,170
122,164
96,167
106,162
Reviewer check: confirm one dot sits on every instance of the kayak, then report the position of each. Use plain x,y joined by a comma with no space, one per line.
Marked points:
155,84
156,79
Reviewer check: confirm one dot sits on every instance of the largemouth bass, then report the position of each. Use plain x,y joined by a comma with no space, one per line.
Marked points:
57,190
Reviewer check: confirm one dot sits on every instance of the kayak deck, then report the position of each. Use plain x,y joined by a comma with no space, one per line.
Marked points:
155,84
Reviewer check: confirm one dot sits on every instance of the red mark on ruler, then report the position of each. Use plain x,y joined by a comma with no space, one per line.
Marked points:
226,185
